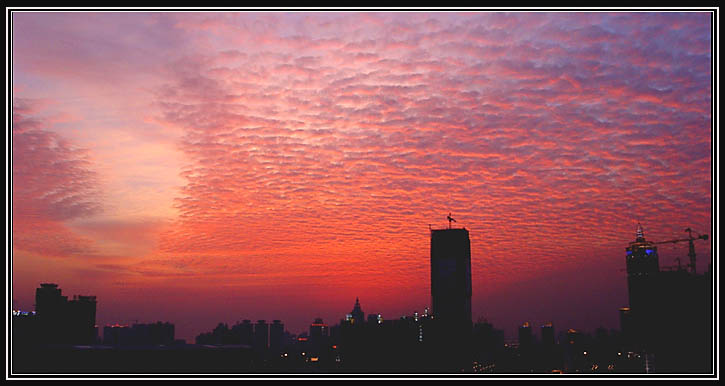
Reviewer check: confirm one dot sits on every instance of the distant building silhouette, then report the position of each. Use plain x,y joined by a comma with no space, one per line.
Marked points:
626,324
357,314
117,335
49,300
246,332
575,352
526,337
488,346
153,334
549,355
526,348
548,336
318,329
276,336
319,338
82,314
261,335
63,321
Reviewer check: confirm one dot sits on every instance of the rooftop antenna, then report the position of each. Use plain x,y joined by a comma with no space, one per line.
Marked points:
450,221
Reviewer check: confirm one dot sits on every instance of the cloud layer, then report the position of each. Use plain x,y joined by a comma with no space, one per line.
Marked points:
317,148
52,184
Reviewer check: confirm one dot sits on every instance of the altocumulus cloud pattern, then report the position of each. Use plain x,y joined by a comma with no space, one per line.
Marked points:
316,148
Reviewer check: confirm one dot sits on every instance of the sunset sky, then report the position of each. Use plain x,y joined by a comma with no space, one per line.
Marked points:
205,167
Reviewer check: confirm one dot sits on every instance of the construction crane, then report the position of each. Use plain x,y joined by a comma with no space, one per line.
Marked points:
690,240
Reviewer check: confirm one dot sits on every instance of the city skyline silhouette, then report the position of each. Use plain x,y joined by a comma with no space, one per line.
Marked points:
300,326
665,328
201,168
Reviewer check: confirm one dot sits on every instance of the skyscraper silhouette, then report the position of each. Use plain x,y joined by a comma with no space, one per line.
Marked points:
642,283
450,263
670,311
642,268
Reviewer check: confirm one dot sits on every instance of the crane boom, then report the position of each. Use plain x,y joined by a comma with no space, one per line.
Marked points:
690,240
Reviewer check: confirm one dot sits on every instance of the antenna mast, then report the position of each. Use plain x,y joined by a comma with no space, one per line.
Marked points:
450,221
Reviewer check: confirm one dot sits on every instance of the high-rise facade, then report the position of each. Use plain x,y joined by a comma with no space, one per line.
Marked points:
642,268
642,286
669,313
450,271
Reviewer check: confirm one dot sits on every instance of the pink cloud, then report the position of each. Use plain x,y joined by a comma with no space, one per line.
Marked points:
52,183
320,146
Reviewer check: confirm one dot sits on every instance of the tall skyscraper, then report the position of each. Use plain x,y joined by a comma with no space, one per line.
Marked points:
642,268
642,285
450,272
669,313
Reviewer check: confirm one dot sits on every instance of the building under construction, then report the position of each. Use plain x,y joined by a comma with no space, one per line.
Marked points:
670,313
